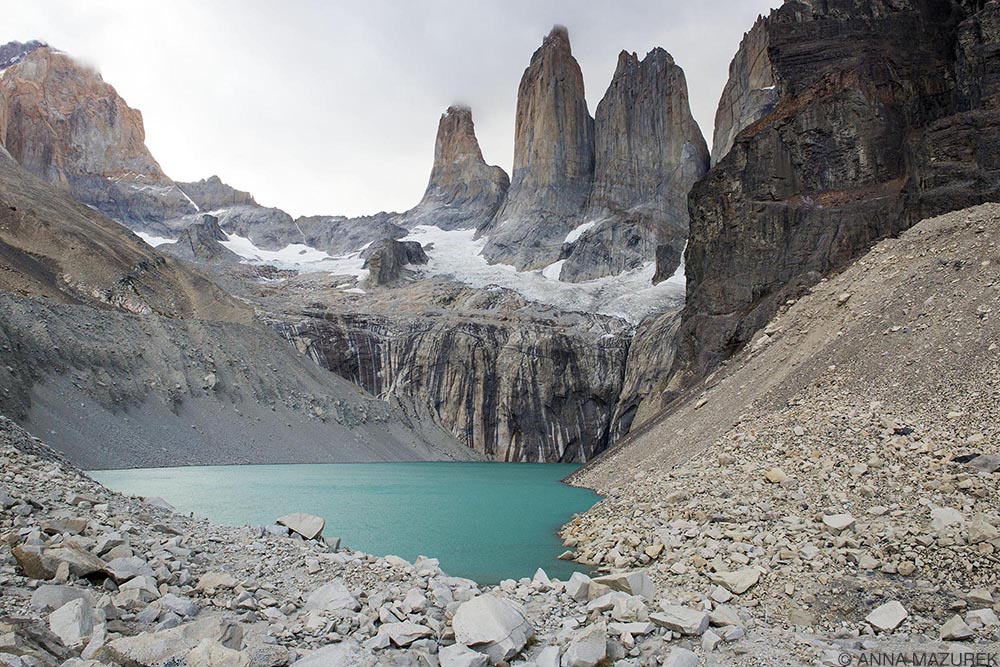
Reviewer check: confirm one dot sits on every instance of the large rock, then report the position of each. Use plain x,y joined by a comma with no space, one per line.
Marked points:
887,617
44,562
154,649
307,525
50,596
458,655
633,583
345,654
553,160
62,122
386,261
331,597
463,191
212,653
74,622
497,627
588,647
649,153
684,620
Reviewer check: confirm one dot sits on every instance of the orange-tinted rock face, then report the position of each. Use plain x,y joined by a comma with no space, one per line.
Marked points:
463,191
62,122
553,160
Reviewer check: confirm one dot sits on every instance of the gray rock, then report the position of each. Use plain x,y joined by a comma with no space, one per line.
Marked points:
331,597
156,648
738,582
50,596
588,647
887,617
494,626
306,525
633,583
680,619
458,655
956,629
681,657
578,586
74,622
211,653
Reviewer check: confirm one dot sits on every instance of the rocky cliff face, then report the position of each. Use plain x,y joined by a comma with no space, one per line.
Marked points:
463,192
751,91
649,152
12,53
553,160
886,113
211,194
202,243
62,122
387,260
510,383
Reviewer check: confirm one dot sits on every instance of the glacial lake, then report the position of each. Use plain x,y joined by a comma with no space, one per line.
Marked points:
483,521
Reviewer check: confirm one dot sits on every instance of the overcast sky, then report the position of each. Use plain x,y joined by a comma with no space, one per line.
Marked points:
326,106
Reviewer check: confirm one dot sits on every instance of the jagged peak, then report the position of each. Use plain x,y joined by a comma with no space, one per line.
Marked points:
556,40
14,52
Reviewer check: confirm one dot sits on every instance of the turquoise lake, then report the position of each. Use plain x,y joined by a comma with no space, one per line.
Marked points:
484,521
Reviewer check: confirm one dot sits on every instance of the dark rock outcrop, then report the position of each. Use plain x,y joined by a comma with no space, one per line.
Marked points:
751,91
553,160
201,243
12,53
62,122
211,194
387,260
510,383
886,114
463,191
649,152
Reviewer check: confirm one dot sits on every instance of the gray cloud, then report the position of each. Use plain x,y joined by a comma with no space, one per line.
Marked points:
331,106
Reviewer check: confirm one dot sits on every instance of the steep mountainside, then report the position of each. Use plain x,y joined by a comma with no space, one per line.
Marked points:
211,194
463,191
872,402
62,122
884,116
125,357
553,160
54,247
649,152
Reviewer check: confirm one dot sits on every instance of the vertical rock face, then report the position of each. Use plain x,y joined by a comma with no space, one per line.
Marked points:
386,260
62,122
510,388
553,160
649,152
751,91
886,114
463,191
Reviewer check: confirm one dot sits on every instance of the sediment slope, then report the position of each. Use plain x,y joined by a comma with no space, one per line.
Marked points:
859,399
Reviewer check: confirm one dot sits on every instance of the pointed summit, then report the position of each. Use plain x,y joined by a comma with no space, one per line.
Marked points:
463,191
553,159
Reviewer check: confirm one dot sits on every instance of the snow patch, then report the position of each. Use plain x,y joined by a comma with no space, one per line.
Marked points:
575,235
155,241
553,270
630,296
298,257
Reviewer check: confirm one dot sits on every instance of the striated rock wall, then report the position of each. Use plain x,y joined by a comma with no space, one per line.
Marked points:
62,122
751,92
463,191
884,117
649,152
512,387
553,160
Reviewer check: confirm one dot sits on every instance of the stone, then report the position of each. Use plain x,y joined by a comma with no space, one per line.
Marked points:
156,648
404,634
73,623
724,615
738,582
42,563
123,569
775,476
183,607
979,531
975,596
211,653
986,463
458,655
386,261
710,641
681,657
331,597
636,629
48,596
306,525
633,583
943,518
982,618
838,523
956,629
212,581
345,654
578,586
684,620
494,626
887,617
588,647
